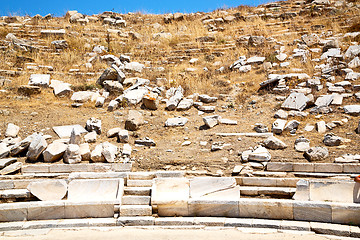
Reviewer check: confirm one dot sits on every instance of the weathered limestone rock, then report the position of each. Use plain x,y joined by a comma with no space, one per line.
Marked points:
260,154
331,140
109,151
176,122
21,146
211,121
150,101
4,150
36,147
302,144
113,132
174,100
261,128
352,109
100,102
113,87
324,100
123,136
111,74
48,190
281,114
170,196
145,142
54,152
126,151
278,126
292,126
60,44
274,143
81,190
134,120
61,89
316,154
40,80
311,39
90,137
321,126
12,130
207,99
72,154
185,104
82,96
134,67
96,154
296,101
93,124
84,150
133,97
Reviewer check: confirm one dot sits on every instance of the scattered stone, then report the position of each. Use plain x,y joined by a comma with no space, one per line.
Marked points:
261,128
48,190
310,39
113,104
113,87
176,122
274,143
75,137
84,150
260,154
54,152
82,96
207,99
296,101
211,121
278,126
150,101
352,109
36,147
90,137
113,132
216,146
6,162
227,121
109,151
123,136
316,154
173,102
4,150
207,109
66,131
302,144
292,126
100,102
321,127
145,142
40,80
281,114
12,130
185,104
126,151
93,124
331,140
134,120
72,154
96,154
61,89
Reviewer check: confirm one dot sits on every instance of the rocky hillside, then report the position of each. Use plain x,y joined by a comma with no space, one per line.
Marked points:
202,92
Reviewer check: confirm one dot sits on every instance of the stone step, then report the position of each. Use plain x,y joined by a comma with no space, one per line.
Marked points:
266,181
135,200
139,183
135,210
137,191
141,175
269,191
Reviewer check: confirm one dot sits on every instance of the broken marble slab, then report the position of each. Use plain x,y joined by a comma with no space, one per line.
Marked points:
95,189
65,131
48,190
11,168
6,162
295,101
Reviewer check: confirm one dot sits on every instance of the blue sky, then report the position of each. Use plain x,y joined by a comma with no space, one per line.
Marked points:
59,8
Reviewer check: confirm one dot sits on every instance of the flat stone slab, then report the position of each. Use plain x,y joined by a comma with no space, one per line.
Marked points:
6,162
47,190
214,188
65,131
11,168
95,189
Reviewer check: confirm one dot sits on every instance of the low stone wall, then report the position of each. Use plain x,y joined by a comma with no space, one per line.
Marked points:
64,209
313,167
